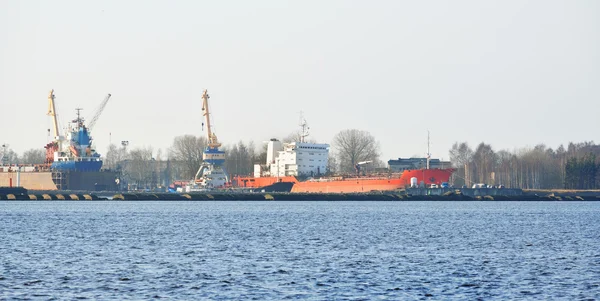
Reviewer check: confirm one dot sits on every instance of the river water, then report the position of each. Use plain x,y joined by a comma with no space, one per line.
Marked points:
299,250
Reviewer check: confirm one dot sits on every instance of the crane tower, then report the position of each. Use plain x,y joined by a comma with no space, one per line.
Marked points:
211,173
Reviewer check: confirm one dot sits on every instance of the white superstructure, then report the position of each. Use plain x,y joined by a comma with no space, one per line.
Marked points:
301,159
294,159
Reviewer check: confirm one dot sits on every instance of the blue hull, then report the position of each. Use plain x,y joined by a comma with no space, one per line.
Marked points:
77,165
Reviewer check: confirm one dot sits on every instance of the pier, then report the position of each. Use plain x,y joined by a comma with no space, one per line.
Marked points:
415,194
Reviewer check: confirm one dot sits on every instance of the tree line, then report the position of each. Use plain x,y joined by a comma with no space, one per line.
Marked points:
573,167
31,156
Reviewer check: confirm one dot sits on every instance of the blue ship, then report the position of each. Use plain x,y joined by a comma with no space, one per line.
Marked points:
79,156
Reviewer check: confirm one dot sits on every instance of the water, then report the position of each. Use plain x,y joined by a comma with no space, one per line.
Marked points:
300,250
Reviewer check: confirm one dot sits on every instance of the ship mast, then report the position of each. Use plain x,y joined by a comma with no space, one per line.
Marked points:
428,153
52,112
213,142
79,120
304,128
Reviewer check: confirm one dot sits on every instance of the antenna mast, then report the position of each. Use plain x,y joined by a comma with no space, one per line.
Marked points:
304,128
428,154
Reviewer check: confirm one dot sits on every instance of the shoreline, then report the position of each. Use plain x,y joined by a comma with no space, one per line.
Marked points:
400,195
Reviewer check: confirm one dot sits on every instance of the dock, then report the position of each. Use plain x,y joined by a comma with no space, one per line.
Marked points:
411,194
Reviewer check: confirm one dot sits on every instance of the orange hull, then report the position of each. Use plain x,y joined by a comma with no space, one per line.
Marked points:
348,185
251,182
428,176
351,185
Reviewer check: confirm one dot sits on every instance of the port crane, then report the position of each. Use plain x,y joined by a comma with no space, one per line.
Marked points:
52,113
98,112
52,147
213,142
211,173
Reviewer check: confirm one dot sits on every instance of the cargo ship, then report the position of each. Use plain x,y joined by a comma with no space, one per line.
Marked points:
71,162
304,165
350,184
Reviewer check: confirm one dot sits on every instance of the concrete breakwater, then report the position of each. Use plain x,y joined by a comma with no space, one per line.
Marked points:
401,195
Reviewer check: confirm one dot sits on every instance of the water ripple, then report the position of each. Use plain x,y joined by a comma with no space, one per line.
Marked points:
299,250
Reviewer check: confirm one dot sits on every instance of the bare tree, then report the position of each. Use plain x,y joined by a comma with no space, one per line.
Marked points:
33,156
353,146
240,159
460,156
485,159
260,157
539,167
332,166
8,156
140,167
188,150
114,157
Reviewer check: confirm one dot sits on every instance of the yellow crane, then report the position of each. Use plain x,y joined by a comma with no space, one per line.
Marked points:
213,142
52,113
211,173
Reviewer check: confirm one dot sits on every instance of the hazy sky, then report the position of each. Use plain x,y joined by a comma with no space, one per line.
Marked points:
510,73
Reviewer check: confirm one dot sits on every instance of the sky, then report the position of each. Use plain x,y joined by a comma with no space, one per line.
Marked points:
509,73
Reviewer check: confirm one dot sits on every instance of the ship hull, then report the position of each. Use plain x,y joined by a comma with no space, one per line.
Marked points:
73,180
426,176
348,185
88,166
86,181
352,185
250,182
28,180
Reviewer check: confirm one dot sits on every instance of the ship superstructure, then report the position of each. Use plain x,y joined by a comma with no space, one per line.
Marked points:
73,151
299,159
211,173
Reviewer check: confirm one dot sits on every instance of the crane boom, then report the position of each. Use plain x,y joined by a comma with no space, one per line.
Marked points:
213,142
98,112
52,112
